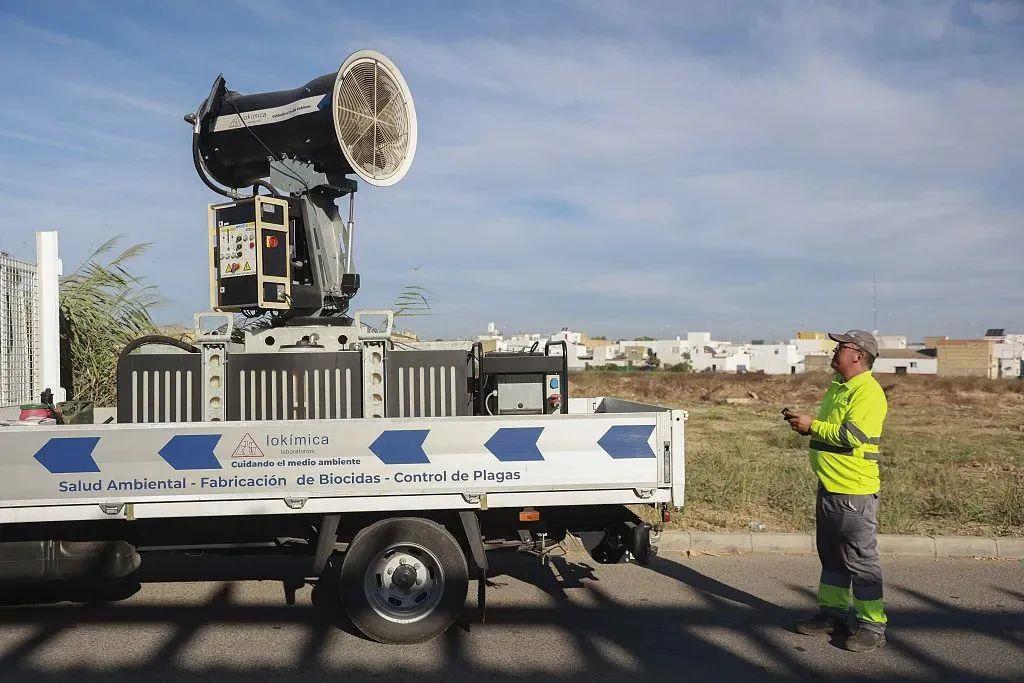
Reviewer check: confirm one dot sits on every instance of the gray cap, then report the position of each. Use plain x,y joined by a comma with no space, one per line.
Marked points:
865,341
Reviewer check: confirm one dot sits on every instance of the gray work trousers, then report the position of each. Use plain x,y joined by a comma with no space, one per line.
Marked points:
847,530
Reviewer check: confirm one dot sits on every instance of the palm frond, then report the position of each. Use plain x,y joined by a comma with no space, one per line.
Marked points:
103,307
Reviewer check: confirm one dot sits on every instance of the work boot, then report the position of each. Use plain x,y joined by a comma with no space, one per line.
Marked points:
864,640
819,625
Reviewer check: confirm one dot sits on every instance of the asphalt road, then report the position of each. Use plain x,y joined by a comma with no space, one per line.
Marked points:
699,618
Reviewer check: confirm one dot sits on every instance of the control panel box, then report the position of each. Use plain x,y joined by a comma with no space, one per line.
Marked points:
250,255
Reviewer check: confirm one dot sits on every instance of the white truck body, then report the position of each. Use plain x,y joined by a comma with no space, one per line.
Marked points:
606,451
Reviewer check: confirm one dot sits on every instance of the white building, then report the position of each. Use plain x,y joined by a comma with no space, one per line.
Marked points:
891,341
813,346
1009,355
905,362
775,359
727,358
668,351
695,339
579,355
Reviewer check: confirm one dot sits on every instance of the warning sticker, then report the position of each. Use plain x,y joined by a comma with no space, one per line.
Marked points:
237,249
247,448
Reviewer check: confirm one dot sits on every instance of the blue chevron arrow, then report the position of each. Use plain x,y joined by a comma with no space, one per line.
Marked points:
191,452
627,441
515,444
401,447
68,455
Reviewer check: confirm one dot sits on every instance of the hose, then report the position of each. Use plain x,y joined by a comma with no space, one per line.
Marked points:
155,339
204,175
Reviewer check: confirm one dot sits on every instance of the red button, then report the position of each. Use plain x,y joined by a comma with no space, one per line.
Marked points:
271,241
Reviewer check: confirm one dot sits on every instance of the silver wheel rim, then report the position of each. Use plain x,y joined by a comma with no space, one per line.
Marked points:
389,589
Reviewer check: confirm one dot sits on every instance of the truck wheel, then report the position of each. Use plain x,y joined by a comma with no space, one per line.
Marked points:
403,580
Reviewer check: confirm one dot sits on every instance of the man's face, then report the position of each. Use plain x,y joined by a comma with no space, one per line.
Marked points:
845,357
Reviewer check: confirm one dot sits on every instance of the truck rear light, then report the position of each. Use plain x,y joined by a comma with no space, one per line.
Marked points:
529,515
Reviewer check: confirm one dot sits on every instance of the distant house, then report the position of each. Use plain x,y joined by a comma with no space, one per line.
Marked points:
775,359
906,362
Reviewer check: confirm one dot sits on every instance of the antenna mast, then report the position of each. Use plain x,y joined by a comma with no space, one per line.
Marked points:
874,303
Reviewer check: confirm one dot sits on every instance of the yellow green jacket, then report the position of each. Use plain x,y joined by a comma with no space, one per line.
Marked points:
845,437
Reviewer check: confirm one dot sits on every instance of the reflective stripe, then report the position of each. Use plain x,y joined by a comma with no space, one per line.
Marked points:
870,611
875,440
842,450
833,597
848,428
829,448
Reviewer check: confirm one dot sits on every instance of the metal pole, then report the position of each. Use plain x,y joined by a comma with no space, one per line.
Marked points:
350,232
48,272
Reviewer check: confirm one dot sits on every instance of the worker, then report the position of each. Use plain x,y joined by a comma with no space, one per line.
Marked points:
844,456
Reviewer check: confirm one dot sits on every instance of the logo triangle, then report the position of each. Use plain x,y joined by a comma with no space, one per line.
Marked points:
247,448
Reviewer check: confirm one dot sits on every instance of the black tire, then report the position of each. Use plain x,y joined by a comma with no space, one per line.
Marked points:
443,569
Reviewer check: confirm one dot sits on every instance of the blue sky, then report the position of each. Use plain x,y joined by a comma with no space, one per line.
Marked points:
627,169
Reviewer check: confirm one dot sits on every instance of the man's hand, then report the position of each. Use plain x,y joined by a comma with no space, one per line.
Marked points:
798,422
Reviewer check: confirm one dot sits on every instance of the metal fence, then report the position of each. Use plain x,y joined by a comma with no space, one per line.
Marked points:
20,362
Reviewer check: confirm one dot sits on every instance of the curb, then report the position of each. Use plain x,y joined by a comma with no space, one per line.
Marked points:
890,545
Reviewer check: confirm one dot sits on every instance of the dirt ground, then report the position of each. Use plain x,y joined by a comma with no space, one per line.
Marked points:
952,449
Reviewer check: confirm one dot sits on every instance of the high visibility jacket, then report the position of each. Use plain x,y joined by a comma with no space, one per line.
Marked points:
845,437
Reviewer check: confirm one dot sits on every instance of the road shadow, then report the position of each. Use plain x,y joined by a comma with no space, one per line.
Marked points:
612,637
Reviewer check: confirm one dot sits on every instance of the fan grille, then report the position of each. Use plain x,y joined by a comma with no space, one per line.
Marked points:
373,120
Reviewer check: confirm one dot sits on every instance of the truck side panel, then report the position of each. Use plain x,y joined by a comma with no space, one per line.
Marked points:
255,466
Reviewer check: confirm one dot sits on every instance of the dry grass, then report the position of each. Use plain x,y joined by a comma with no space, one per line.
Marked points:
953,450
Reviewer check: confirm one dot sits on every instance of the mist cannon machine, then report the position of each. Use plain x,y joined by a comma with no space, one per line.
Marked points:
290,252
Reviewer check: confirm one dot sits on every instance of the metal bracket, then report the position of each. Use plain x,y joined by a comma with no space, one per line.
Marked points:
471,525
389,316
476,499
112,508
297,177
295,503
474,538
325,542
212,336
644,493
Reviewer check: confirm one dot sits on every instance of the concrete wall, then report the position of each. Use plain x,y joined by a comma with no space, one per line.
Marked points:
818,363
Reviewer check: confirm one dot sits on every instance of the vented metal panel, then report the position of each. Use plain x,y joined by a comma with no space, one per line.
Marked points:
160,387
294,386
427,383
